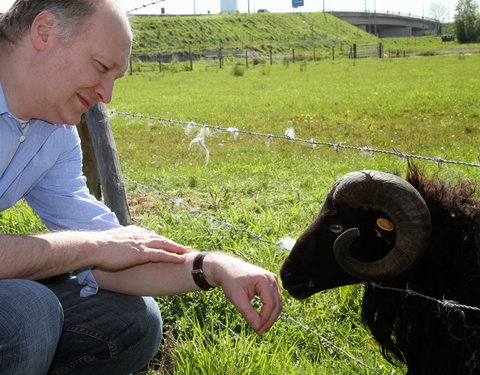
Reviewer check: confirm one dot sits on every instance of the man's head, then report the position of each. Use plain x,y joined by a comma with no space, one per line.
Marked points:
64,56
68,13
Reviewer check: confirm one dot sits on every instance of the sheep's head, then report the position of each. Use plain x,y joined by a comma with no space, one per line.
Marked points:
373,226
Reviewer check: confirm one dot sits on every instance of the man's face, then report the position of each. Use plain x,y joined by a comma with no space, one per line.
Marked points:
81,71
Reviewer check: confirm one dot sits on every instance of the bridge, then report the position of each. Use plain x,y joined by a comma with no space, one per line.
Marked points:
390,25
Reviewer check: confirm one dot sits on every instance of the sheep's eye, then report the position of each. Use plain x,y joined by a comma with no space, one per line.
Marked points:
336,228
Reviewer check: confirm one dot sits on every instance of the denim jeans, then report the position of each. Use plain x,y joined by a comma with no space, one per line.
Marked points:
52,330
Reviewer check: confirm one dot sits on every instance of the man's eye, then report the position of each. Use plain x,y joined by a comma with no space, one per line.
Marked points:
103,67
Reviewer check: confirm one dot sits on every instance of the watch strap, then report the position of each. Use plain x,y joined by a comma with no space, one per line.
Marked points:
197,271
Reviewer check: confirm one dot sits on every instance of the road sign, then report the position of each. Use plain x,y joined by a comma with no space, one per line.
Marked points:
297,3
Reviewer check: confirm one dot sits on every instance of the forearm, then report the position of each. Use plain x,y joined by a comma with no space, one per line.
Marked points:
39,256
151,279
240,282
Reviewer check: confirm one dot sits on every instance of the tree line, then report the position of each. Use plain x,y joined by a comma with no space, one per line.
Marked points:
467,21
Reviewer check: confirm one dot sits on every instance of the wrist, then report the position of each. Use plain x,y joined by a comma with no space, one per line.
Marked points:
198,272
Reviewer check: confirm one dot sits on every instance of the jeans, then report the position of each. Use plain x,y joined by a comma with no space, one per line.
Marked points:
52,330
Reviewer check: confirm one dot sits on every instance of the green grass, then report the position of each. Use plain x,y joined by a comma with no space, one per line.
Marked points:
425,106
262,31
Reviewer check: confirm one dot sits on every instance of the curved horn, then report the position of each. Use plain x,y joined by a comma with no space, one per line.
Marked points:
405,207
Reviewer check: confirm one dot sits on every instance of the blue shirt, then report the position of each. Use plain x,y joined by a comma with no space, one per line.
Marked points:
44,166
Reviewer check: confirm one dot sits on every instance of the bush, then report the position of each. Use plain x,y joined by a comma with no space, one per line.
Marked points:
238,70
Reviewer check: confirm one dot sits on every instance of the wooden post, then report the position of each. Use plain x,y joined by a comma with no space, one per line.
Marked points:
220,58
108,162
89,162
190,58
246,58
293,55
271,56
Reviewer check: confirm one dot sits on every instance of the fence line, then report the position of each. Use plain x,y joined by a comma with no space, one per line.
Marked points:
445,303
312,142
144,6
194,210
329,343
258,238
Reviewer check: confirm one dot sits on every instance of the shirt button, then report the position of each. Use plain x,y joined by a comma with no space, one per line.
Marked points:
21,139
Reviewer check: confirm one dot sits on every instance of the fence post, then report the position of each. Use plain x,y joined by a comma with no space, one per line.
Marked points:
333,53
108,162
220,57
246,58
190,58
293,55
131,65
89,162
271,56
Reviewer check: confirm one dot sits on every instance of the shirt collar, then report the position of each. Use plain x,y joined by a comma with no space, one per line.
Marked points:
3,102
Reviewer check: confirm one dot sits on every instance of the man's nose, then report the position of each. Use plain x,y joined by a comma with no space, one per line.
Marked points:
104,90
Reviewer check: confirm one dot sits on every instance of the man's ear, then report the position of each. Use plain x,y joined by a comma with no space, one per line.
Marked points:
42,30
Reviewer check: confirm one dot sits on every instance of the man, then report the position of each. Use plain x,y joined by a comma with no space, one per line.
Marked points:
57,59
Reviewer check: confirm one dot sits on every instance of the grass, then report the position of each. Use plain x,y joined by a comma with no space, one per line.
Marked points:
262,32
425,106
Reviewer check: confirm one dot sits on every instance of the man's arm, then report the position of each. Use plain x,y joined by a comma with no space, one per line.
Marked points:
39,256
240,282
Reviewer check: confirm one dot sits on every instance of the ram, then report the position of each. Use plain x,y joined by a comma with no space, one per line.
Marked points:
391,233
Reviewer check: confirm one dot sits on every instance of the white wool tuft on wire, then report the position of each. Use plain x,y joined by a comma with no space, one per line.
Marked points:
287,242
200,140
290,133
189,129
234,131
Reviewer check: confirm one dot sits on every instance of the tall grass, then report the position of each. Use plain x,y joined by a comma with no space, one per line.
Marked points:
426,106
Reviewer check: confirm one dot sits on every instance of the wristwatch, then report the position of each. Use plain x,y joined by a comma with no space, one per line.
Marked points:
197,272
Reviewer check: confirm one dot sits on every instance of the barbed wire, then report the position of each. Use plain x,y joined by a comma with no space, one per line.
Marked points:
144,6
258,237
329,343
312,142
194,210
443,302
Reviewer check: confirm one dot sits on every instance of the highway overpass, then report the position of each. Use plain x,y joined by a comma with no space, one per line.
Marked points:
390,25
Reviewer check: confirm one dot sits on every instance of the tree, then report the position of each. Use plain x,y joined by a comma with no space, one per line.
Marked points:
438,11
467,21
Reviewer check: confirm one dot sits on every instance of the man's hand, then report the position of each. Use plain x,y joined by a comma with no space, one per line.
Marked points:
241,282
125,247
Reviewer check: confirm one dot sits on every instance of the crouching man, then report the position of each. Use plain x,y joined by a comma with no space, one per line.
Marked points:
57,59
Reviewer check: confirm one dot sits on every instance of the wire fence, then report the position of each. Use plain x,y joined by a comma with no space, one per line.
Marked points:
290,136
194,211
144,6
258,237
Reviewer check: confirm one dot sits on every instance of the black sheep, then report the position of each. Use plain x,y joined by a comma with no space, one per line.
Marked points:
417,233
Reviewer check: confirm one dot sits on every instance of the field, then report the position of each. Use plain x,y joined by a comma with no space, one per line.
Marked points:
427,106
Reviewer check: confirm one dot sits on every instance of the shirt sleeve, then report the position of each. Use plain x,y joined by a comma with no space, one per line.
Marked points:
62,200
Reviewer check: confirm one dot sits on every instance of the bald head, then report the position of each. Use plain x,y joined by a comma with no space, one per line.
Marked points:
68,15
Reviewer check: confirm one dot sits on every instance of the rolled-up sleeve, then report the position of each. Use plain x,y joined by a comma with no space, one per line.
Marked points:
62,200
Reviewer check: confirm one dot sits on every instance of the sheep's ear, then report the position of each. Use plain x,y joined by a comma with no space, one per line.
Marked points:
42,29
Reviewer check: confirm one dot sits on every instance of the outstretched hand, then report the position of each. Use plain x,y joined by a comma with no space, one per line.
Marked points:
125,247
241,282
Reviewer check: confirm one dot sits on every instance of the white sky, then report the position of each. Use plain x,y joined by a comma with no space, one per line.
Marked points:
414,7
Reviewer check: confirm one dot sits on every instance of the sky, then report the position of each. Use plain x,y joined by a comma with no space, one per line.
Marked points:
415,7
